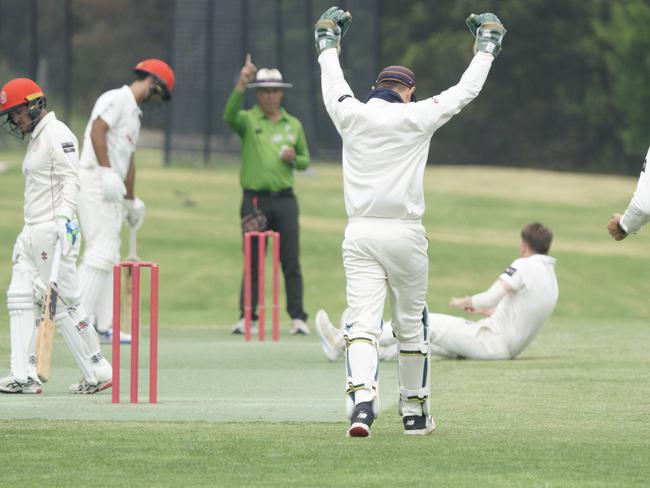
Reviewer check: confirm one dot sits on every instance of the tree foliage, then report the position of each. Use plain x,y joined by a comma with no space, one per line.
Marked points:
569,90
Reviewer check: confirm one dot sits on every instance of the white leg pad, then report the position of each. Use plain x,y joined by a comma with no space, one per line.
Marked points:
76,344
413,374
102,367
20,304
362,365
97,293
86,330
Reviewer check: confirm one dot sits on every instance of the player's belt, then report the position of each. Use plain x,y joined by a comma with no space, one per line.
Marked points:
287,192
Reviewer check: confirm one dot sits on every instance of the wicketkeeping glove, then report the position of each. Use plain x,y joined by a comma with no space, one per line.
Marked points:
488,31
330,27
134,212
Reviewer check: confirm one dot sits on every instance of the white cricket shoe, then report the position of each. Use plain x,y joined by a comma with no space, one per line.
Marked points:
238,328
9,385
106,337
85,388
331,338
299,327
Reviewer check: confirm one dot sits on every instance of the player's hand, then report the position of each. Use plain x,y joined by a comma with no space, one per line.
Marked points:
247,73
614,228
330,27
464,303
288,154
488,31
112,185
134,212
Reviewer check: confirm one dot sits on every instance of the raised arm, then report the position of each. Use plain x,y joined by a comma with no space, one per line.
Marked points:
234,116
489,32
337,94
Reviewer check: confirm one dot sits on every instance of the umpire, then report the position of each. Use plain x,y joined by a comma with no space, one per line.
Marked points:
273,145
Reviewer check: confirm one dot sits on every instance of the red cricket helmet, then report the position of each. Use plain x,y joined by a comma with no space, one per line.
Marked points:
16,93
21,91
161,71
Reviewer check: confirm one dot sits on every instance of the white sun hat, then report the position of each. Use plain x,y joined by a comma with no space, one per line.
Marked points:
269,78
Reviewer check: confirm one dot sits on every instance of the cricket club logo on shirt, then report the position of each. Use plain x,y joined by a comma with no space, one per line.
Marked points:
44,256
510,271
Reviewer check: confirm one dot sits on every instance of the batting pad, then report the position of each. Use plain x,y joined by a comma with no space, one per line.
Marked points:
362,362
20,304
76,344
97,294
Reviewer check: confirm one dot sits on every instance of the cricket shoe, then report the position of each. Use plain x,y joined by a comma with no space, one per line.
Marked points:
331,339
106,337
9,385
85,388
299,327
238,328
418,424
362,418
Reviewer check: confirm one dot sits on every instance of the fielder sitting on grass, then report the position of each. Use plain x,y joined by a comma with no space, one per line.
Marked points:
385,146
517,305
51,190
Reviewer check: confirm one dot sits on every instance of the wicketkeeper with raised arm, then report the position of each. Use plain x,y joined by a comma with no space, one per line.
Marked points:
385,147
51,190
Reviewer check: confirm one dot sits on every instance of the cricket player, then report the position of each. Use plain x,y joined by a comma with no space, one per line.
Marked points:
637,213
516,307
107,177
385,147
50,168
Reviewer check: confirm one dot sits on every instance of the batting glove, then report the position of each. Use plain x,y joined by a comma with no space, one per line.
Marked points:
112,185
134,212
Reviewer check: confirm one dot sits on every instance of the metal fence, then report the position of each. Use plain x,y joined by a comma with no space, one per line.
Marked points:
77,49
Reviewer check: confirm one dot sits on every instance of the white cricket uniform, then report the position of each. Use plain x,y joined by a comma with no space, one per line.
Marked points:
518,317
385,150
51,191
637,213
101,220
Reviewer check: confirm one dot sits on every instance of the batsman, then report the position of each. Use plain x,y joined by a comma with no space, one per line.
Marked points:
45,254
107,176
385,148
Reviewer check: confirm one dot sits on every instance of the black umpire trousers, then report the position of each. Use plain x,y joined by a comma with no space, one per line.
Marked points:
281,211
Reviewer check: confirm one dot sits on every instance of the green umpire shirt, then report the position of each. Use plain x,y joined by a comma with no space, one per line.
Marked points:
261,166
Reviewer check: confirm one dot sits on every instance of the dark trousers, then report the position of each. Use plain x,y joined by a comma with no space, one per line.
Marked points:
281,211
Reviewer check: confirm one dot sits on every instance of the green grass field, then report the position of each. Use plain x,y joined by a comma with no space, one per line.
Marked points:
572,411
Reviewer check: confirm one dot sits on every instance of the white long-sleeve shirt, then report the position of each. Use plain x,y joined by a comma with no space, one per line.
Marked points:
121,113
385,145
51,170
638,211
521,313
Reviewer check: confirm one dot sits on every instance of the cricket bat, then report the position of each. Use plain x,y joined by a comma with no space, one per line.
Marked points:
45,332
126,303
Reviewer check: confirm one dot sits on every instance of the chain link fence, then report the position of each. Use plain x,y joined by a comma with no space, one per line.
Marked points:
77,49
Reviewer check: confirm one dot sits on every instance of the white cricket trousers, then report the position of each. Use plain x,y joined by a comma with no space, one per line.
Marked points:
455,336
383,256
